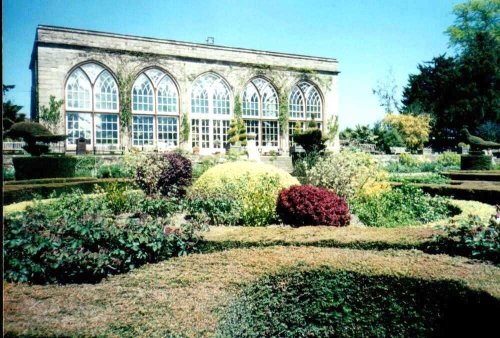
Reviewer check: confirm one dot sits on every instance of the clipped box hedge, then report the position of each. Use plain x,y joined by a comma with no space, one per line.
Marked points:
51,180
473,175
32,167
14,193
481,191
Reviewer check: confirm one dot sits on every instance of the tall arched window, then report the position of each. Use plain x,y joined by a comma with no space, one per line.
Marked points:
155,110
304,106
91,100
260,112
210,112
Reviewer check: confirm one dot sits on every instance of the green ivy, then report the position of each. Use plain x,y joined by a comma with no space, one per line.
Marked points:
185,130
237,106
283,112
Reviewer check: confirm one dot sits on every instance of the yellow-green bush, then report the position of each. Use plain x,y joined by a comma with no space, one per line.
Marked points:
253,186
349,174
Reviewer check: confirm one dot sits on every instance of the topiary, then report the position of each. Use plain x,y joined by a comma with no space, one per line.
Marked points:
33,133
255,186
309,205
164,173
311,139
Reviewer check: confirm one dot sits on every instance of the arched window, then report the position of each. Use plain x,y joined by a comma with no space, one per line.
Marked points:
210,112
92,106
304,106
155,110
260,112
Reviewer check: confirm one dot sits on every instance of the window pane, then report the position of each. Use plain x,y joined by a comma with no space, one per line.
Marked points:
270,133
167,96
79,125
142,94
78,91
252,126
167,131
106,131
142,130
106,92
220,133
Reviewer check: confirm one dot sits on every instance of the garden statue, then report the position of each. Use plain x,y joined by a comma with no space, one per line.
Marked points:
476,159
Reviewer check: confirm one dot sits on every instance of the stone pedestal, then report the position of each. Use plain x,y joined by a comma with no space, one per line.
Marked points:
253,153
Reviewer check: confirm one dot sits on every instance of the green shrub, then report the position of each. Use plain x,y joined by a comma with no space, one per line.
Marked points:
486,192
77,239
33,134
88,165
349,174
8,173
311,139
448,159
205,164
254,187
332,303
403,206
477,161
114,170
28,167
408,160
51,180
471,238
218,210
304,161
14,193
431,178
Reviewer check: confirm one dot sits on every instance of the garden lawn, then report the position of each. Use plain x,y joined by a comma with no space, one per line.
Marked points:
186,296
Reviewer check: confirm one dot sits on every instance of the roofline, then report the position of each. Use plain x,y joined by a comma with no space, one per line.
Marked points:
183,43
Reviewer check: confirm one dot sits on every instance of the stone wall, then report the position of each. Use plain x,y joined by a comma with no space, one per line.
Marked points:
59,50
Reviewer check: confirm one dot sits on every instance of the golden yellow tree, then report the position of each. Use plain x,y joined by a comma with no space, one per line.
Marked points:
413,129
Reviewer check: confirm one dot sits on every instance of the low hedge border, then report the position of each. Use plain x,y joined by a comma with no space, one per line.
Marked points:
186,296
14,193
481,191
51,180
473,175
352,237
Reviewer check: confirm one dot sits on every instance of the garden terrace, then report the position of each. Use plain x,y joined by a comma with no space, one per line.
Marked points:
187,296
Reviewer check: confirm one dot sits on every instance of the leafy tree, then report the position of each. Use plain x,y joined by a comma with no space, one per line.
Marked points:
52,114
474,17
387,137
360,134
11,111
413,129
461,90
489,131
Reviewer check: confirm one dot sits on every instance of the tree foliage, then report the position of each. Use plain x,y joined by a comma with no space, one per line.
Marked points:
10,114
413,129
34,133
474,17
51,115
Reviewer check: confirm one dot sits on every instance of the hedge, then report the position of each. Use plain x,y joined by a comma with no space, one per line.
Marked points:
14,193
51,180
330,303
186,296
482,191
473,175
32,167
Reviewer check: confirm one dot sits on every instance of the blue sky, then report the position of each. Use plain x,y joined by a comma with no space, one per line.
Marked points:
368,37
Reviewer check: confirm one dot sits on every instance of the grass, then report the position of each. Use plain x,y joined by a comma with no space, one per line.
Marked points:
186,296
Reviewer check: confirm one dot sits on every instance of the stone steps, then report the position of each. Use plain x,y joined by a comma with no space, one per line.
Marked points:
282,162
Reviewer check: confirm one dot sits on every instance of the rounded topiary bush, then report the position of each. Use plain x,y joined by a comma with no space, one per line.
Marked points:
164,173
249,189
309,205
332,303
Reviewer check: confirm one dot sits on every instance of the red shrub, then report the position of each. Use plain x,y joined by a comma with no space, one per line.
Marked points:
309,205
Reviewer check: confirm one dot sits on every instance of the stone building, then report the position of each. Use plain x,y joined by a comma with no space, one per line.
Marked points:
124,91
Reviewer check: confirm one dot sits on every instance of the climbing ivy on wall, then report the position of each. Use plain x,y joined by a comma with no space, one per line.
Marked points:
332,127
185,130
237,106
283,111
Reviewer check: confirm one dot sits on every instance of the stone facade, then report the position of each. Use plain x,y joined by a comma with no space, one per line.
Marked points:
59,51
